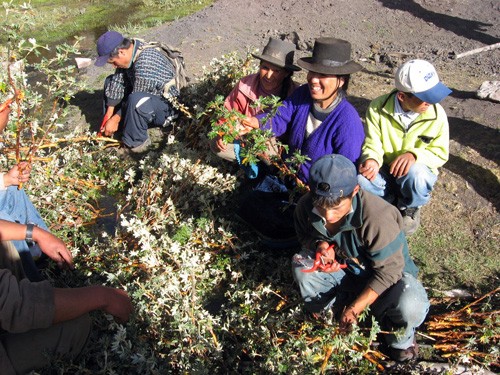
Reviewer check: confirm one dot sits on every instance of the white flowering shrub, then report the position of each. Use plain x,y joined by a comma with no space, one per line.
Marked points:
209,297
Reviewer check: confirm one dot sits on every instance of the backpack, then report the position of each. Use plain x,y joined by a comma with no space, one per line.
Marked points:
176,59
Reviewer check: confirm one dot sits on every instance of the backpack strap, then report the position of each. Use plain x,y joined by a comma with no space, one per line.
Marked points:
176,59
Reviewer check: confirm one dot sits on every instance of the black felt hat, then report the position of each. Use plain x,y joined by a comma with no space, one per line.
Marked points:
330,56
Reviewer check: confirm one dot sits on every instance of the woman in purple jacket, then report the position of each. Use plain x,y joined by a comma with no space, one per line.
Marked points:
316,120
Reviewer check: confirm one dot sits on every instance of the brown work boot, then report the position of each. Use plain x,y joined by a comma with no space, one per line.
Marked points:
403,355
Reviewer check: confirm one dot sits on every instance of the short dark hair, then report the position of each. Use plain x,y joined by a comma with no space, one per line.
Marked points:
328,202
125,44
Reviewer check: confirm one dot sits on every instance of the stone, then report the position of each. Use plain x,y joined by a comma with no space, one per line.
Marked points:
489,90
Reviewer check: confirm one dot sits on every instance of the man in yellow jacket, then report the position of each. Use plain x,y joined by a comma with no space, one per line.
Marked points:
407,140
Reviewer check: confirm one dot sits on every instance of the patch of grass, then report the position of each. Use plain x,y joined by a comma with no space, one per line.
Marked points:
60,20
456,247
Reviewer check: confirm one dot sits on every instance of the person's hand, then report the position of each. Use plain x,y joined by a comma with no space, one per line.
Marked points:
18,174
248,124
118,304
112,125
326,250
348,319
53,247
369,169
402,164
328,255
220,144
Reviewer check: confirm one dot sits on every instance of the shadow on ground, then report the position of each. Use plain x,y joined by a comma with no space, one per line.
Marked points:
484,181
462,27
485,140
90,105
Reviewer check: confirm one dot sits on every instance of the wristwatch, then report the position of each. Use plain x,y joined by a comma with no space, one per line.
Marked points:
29,233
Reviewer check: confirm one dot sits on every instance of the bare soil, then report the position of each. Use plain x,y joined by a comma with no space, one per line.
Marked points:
383,34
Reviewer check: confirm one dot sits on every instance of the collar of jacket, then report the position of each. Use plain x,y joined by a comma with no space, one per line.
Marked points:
388,109
135,55
352,221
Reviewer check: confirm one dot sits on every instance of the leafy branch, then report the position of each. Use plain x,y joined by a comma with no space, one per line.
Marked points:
256,143
39,91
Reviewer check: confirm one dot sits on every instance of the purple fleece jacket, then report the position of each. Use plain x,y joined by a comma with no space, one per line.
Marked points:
340,133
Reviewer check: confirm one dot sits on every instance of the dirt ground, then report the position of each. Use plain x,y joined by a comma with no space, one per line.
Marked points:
383,34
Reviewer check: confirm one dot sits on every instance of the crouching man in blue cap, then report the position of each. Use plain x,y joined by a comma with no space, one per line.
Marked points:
364,256
407,140
136,95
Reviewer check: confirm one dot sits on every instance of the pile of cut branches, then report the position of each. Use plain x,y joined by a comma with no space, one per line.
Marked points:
471,333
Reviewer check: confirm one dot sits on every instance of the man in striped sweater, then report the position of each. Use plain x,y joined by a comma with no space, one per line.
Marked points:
136,95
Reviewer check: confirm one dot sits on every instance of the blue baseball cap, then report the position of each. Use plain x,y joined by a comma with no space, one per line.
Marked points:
333,176
419,78
106,44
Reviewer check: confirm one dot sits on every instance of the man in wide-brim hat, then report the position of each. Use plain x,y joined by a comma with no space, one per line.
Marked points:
317,118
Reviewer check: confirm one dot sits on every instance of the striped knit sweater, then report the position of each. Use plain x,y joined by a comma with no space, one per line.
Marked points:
149,72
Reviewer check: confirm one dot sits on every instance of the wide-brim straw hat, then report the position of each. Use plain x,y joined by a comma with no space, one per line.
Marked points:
330,56
279,53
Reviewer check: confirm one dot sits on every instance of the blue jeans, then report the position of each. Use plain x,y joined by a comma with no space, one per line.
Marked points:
400,309
15,206
139,115
412,190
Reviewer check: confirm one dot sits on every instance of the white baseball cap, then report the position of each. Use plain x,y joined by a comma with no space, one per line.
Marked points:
419,78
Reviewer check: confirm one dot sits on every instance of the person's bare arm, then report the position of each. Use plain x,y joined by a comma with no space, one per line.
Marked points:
52,246
73,302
